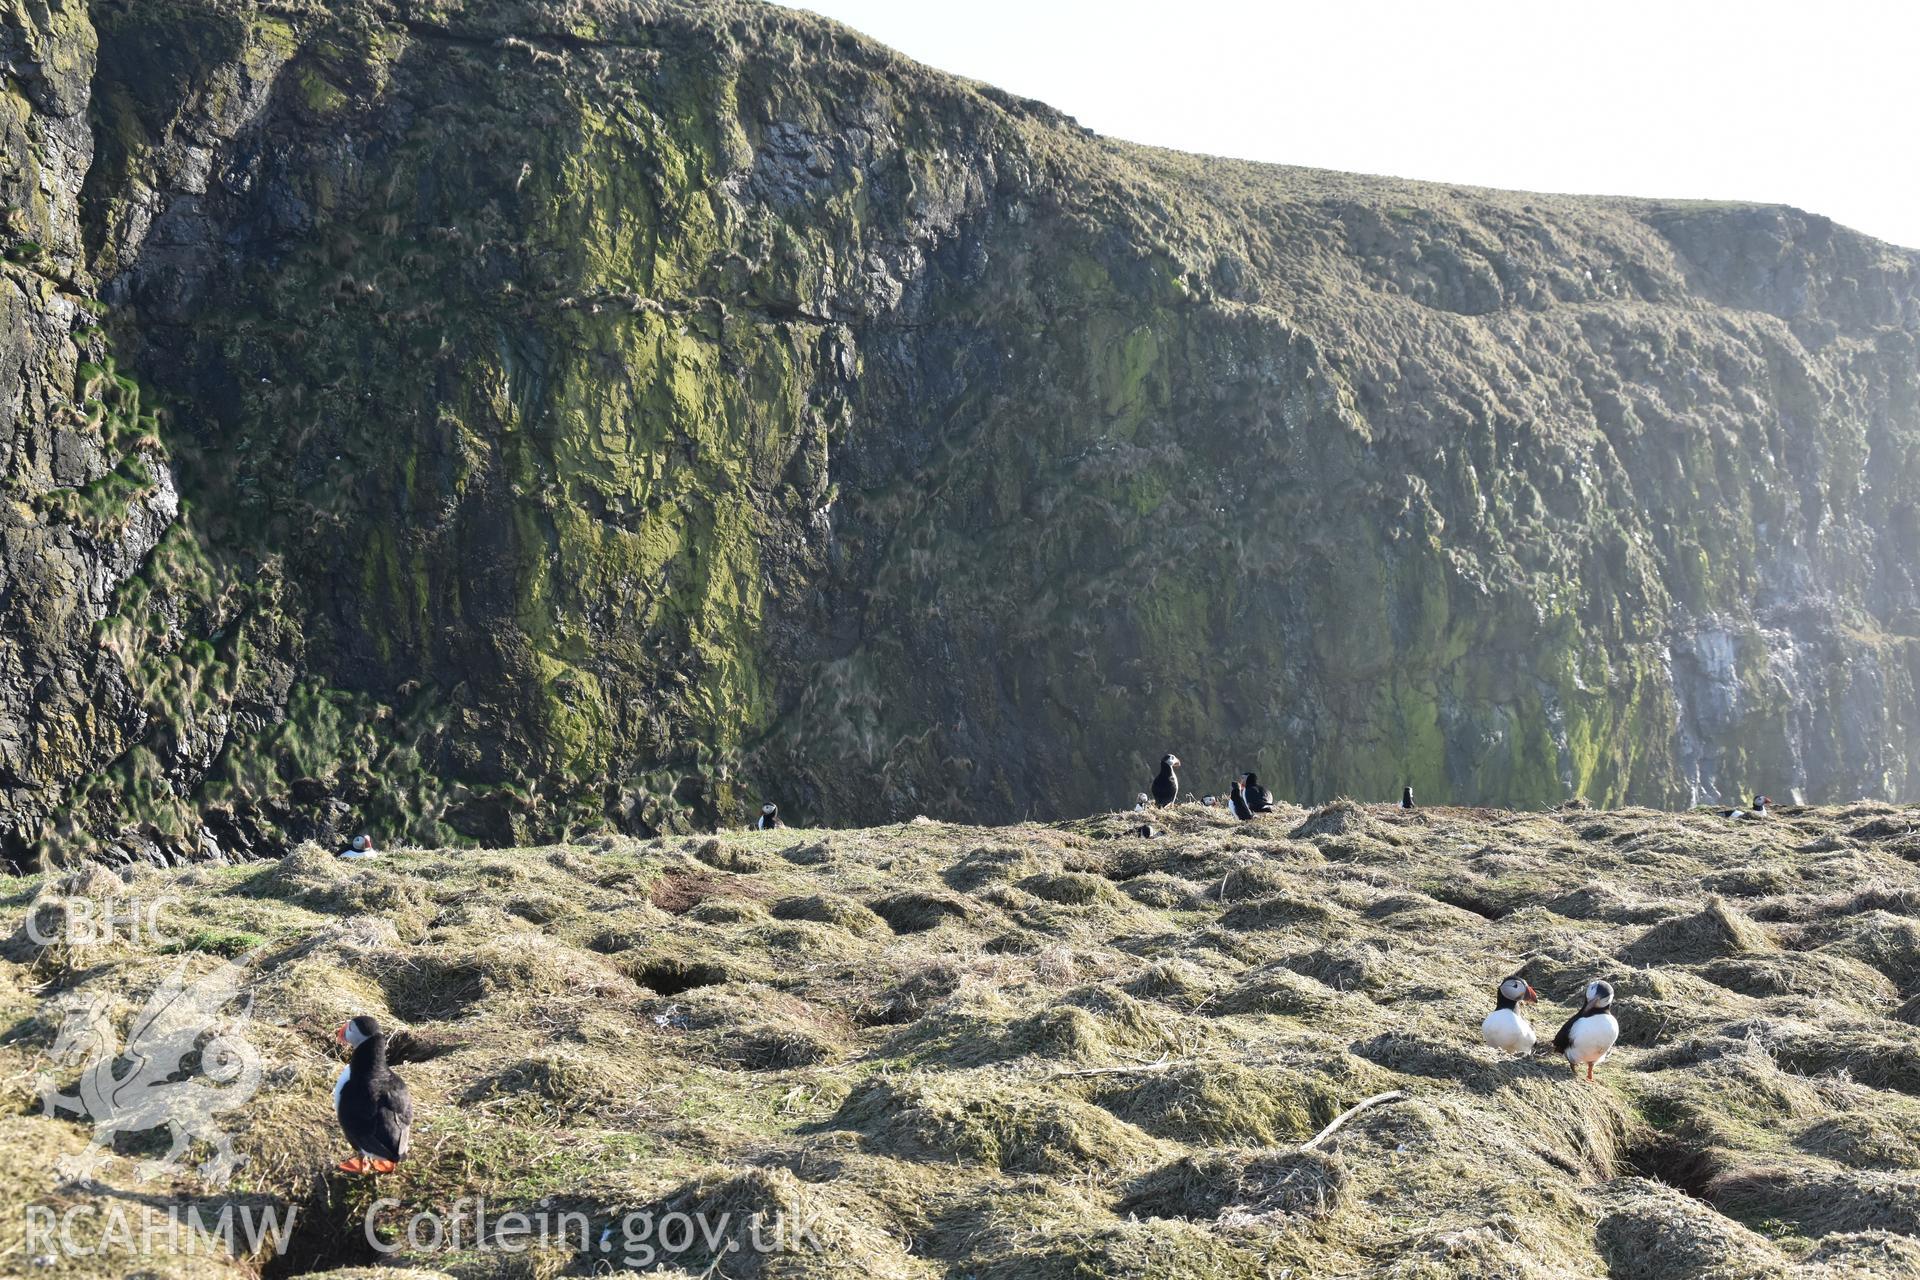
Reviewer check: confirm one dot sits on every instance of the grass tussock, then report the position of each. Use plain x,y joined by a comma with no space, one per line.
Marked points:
996,1119
1243,1190
1715,931
1649,1231
1215,1103
834,909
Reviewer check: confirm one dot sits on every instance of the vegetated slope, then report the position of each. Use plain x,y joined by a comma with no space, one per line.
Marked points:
600,413
1050,1051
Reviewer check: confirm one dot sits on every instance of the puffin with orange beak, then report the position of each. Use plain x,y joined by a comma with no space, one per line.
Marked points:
1506,1028
1589,1035
372,1103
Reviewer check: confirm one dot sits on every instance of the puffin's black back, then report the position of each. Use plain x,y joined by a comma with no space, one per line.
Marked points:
1165,786
376,1111
1259,799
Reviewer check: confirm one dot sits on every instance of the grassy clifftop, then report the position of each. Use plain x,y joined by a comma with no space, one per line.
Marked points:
1062,1050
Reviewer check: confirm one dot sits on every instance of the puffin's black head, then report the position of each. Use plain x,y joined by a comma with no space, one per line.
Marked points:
356,1031
769,807
1252,781
1169,761
1599,994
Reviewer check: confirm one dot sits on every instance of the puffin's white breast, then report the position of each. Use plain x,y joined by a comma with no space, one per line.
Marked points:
1507,1031
339,1083
1592,1037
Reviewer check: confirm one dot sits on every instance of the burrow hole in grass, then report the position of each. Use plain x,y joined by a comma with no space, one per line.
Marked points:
671,977
328,1234
1682,1163
1470,902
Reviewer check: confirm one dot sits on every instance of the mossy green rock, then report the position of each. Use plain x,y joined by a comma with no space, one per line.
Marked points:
609,414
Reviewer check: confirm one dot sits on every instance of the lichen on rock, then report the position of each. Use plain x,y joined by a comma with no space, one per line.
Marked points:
607,415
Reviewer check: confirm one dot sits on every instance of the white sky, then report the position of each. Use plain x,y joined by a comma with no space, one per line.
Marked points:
1815,104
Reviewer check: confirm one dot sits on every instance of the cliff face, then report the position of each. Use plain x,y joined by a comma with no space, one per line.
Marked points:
614,412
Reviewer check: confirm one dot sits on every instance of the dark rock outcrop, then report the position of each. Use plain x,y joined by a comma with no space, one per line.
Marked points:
606,412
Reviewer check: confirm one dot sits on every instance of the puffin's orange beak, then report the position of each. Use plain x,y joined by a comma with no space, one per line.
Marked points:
1533,997
340,1033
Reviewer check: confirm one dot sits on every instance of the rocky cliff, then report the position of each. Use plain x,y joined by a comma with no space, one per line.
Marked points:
487,419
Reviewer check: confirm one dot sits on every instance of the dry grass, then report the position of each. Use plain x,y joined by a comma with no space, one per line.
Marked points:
1067,1051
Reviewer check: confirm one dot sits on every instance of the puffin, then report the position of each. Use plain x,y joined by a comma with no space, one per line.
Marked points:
1239,801
1406,797
1589,1035
359,847
769,817
1210,800
1140,803
1506,1028
372,1103
1759,810
1166,786
1259,799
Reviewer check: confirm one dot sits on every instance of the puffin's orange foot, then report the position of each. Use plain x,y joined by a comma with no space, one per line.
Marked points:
358,1164
1589,1073
377,1165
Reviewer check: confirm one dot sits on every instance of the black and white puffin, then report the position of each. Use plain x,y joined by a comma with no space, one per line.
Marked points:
1406,797
1589,1035
1166,786
1760,806
769,817
1238,799
1259,799
1506,1028
372,1103
1140,803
